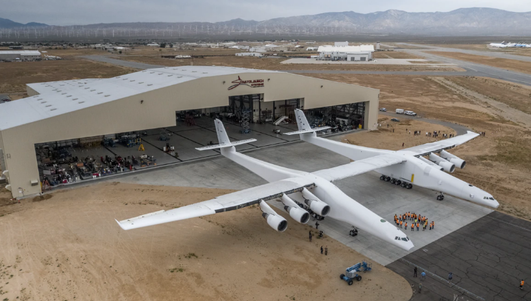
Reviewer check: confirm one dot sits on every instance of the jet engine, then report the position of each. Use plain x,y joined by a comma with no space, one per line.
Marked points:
315,204
297,213
447,166
454,159
274,220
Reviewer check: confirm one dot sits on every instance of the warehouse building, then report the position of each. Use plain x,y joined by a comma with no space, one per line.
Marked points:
20,55
342,52
87,111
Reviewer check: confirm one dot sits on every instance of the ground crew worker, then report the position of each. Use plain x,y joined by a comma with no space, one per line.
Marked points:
405,226
408,215
412,226
424,227
522,284
433,224
418,225
400,224
415,272
310,235
321,249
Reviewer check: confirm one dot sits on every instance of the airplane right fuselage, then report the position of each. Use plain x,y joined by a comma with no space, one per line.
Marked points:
426,175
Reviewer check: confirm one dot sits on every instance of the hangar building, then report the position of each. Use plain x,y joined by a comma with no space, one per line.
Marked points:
23,55
149,99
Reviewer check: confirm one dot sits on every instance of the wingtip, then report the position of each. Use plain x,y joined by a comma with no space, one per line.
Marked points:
119,224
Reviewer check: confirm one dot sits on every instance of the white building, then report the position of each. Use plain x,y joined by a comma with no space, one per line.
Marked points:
79,109
346,53
20,55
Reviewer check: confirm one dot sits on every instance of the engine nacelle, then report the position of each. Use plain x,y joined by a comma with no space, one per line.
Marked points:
300,215
447,166
454,159
274,220
315,204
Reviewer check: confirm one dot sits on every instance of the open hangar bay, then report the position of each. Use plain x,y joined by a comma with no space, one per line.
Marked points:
466,241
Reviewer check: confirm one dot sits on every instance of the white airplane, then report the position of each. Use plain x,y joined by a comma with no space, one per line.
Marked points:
409,167
300,192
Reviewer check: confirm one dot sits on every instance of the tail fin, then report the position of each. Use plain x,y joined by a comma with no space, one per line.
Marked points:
304,125
223,138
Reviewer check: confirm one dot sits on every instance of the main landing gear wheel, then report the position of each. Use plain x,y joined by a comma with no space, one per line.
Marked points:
398,182
387,179
440,197
393,181
403,184
409,186
382,177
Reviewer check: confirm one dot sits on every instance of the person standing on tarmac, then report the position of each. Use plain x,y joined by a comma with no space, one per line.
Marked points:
415,272
522,284
412,226
310,235
321,250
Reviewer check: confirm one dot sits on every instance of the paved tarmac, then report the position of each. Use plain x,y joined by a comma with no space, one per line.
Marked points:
383,198
488,258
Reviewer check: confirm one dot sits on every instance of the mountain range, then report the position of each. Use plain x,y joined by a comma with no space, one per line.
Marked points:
460,22
6,23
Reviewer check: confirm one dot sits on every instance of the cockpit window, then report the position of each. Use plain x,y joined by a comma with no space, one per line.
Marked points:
488,198
402,238
470,185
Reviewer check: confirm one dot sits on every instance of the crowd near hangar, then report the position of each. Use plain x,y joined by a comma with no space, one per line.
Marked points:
76,109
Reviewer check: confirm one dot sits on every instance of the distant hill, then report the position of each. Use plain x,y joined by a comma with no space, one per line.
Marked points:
6,23
460,22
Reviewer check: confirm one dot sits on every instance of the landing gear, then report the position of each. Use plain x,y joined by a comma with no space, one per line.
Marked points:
440,197
353,232
396,182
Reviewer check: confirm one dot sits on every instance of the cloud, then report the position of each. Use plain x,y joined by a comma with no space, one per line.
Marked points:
60,12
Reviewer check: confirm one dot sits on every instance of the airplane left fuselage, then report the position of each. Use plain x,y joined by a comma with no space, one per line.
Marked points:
342,207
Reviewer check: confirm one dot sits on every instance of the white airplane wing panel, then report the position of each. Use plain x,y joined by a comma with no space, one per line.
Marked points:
227,202
438,146
359,167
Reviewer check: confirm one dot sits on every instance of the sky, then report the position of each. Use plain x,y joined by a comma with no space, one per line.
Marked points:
80,12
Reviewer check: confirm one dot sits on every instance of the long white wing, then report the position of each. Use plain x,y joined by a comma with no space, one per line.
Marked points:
359,167
227,202
424,149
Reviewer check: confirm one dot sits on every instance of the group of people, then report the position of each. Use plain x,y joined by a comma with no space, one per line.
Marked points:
414,220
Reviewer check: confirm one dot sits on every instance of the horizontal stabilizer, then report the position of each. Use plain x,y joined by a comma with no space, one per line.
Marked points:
323,128
226,144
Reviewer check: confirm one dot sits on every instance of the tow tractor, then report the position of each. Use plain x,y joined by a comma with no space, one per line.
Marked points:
352,272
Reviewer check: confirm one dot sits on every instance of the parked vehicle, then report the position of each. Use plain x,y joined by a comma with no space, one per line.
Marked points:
383,110
399,111
410,113
395,120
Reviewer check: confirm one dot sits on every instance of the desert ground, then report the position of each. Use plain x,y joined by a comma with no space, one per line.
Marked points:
508,64
66,246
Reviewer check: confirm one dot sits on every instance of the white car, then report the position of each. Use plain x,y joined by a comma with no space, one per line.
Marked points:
410,113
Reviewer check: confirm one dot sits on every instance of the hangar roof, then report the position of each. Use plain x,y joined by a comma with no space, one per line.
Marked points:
61,97
348,49
22,52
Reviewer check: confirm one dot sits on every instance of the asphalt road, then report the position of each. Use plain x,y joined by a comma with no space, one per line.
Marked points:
488,258
486,52
118,62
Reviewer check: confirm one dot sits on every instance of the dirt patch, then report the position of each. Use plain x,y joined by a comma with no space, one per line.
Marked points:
70,248
518,66
41,198
15,76
514,95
